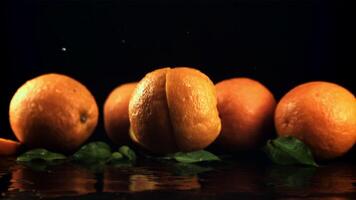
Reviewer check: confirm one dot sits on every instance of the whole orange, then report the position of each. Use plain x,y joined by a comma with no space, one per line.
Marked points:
321,114
116,113
53,111
246,108
174,110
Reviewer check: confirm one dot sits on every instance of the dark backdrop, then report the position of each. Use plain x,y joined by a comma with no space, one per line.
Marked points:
104,43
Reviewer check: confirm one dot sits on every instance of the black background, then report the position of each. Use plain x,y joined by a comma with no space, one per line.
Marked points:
281,43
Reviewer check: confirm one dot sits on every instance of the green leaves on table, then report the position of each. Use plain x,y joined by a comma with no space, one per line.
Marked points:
40,159
288,151
127,153
124,157
188,163
116,156
93,152
40,154
100,152
193,157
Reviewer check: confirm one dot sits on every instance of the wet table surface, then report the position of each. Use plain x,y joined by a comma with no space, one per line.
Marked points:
151,179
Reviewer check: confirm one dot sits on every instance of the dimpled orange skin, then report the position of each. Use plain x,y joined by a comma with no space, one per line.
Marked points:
246,109
321,114
174,110
149,115
116,113
53,111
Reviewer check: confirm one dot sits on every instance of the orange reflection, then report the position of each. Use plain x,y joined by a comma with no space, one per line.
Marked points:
118,180
334,179
65,180
140,182
115,180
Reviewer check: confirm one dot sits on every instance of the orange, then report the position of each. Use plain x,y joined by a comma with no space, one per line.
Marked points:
321,114
53,111
174,110
116,113
246,109
8,147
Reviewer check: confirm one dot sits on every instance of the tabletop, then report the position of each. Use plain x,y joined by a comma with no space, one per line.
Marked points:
153,179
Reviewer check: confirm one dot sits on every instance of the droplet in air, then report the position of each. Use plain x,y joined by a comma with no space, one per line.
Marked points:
123,41
64,49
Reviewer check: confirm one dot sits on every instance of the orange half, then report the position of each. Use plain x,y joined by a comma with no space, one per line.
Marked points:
8,147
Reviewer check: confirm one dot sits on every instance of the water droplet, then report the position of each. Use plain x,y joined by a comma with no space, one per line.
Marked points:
123,41
64,49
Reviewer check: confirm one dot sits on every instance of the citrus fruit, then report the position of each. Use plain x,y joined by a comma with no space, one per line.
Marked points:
322,115
116,113
174,110
246,109
53,111
8,147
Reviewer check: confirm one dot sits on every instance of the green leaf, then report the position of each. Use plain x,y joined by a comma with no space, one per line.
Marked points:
93,152
119,160
128,153
194,157
40,154
288,151
277,156
116,156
